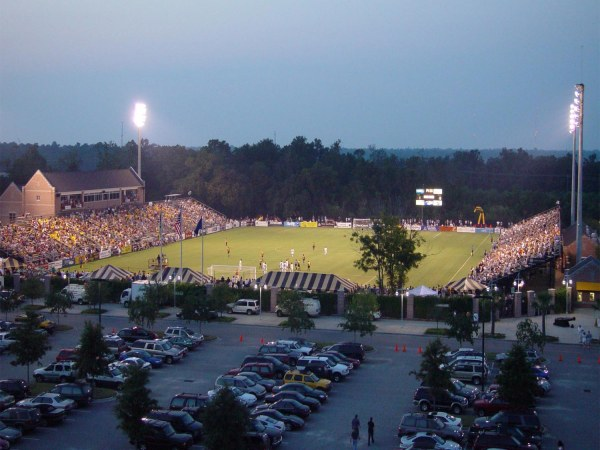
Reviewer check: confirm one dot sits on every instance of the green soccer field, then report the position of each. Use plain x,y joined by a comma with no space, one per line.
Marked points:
448,255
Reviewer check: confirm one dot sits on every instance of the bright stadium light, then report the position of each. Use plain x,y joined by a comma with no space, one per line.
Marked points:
576,129
139,119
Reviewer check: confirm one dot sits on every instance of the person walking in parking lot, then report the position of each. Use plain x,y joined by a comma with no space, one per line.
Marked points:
356,424
354,437
370,431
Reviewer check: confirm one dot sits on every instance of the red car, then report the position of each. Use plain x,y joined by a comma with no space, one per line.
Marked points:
68,354
485,407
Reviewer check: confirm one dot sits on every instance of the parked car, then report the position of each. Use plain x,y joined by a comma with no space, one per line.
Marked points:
244,306
335,372
181,421
302,389
160,434
244,398
295,346
426,439
255,440
310,379
57,371
460,388
427,398
127,364
115,344
67,354
469,371
183,342
134,333
541,371
112,378
75,293
525,420
6,339
290,421
446,418
25,419
242,383
159,347
304,342
49,398
412,423
155,361
41,321
350,349
6,400
312,403
16,387
190,402
184,332
463,351
51,415
490,406
498,439
273,348
352,363
267,383
280,367
274,433
264,369
287,406
81,393
530,354
320,368
10,434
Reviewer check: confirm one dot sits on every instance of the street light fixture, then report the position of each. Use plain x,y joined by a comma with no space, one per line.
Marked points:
568,283
139,119
260,288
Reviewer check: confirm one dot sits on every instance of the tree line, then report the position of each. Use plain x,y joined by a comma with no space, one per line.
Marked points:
308,179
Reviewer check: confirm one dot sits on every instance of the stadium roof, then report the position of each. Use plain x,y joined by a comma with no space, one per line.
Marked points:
110,272
93,181
187,275
320,282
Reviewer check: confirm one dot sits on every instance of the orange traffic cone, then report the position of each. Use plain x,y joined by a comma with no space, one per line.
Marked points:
404,348
262,341
241,338
420,350
560,358
396,348
578,359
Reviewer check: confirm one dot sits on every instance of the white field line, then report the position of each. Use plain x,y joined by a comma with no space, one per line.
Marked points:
467,260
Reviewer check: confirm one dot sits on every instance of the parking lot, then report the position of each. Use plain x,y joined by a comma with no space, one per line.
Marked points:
381,388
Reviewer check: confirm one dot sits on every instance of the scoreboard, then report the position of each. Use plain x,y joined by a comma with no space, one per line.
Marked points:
429,197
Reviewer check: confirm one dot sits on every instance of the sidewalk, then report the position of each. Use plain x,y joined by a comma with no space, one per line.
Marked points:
584,317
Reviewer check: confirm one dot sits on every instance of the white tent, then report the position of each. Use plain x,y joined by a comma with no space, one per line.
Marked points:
422,291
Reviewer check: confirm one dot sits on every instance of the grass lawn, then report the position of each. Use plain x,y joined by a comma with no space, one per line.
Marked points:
448,255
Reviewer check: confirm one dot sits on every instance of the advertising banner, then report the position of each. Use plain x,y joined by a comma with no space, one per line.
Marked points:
308,224
465,229
274,223
105,254
291,224
55,264
68,262
447,228
261,223
343,225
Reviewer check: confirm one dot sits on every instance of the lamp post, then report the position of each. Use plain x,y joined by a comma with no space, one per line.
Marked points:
483,297
568,283
260,287
139,119
519,282
401,295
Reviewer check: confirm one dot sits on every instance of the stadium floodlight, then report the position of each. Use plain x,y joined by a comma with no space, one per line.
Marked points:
576,124
139,119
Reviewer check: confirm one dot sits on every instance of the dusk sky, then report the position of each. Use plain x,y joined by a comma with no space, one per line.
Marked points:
391,74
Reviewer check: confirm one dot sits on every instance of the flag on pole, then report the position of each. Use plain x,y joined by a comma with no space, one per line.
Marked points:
177,224
198,227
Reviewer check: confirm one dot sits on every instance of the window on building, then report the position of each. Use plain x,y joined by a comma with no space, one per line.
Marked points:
12,217
37,197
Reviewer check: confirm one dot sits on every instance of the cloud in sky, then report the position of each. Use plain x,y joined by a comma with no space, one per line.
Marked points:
460,74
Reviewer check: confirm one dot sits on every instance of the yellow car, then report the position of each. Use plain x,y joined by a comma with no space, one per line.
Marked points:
307,378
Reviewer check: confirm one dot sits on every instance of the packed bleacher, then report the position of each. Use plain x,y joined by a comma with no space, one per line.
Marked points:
83,235
525,244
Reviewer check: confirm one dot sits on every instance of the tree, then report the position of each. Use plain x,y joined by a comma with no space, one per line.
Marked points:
543,303
298,320
196,308
516,379
433,371
7,304
462,327
221,295
529,335
359,315
133,404
59,303
30,344
144,311
70,160
225,422
92,351
32,288
390,249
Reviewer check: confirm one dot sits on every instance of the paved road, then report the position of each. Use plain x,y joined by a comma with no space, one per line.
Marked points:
382,388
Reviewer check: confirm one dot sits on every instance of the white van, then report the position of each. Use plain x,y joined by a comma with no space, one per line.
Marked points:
312,306
76,292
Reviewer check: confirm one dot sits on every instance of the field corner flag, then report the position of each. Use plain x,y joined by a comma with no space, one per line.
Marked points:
198,227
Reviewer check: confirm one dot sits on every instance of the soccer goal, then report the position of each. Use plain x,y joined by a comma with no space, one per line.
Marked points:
225,271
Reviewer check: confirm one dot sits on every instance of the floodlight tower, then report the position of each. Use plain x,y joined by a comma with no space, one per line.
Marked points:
576,123
139,119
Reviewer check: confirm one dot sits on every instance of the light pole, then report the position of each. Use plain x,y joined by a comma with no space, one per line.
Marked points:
576,123
260,287
139,119
568,283
519,282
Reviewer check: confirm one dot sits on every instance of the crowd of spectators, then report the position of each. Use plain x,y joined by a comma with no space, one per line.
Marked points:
537,238
83,235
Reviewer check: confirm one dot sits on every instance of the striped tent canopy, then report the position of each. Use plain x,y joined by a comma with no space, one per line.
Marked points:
465,284
187,275
11,263
320,282
109,272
